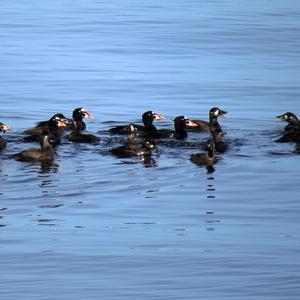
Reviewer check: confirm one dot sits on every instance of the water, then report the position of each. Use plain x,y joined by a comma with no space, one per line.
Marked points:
94,226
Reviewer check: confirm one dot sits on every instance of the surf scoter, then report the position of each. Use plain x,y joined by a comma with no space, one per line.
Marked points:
145,148
148,117
78,137
181,123
213,124
54,126
3,128
78,115
218,138
291,131
207,158
44,154
291,119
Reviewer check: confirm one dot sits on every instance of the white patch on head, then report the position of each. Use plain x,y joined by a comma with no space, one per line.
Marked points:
216,112
57,118
83,110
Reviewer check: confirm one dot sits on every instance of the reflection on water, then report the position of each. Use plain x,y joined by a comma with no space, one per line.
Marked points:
147,161
47,167
210,169
211,195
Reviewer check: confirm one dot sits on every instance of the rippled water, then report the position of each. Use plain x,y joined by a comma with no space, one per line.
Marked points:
95,226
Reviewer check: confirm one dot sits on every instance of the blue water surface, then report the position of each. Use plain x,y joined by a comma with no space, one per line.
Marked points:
93,226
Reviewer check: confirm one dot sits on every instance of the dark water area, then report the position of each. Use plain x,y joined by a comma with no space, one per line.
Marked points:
94,226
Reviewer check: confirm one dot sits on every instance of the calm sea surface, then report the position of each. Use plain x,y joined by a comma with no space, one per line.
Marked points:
93,226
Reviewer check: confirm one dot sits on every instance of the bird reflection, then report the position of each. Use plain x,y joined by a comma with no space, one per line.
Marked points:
46,177
47,167
210,169
149,162
210,218
210,186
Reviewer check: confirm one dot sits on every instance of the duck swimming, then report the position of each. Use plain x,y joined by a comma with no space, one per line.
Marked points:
55,126
218,138
148,117
3,128
213,124
78,125
207,158
291,131
78,137
78,115
144,148
291,119
44,154
181,124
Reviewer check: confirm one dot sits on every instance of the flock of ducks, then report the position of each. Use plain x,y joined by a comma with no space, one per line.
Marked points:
140,139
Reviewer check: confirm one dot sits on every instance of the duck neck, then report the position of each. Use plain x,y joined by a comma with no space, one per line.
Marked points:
45,145
180,130
148,123
149,126
294,122
77,127
53,126
210,153
213,120
77,117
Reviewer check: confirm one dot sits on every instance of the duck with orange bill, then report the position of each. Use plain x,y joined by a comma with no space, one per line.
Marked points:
55,126
147,118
